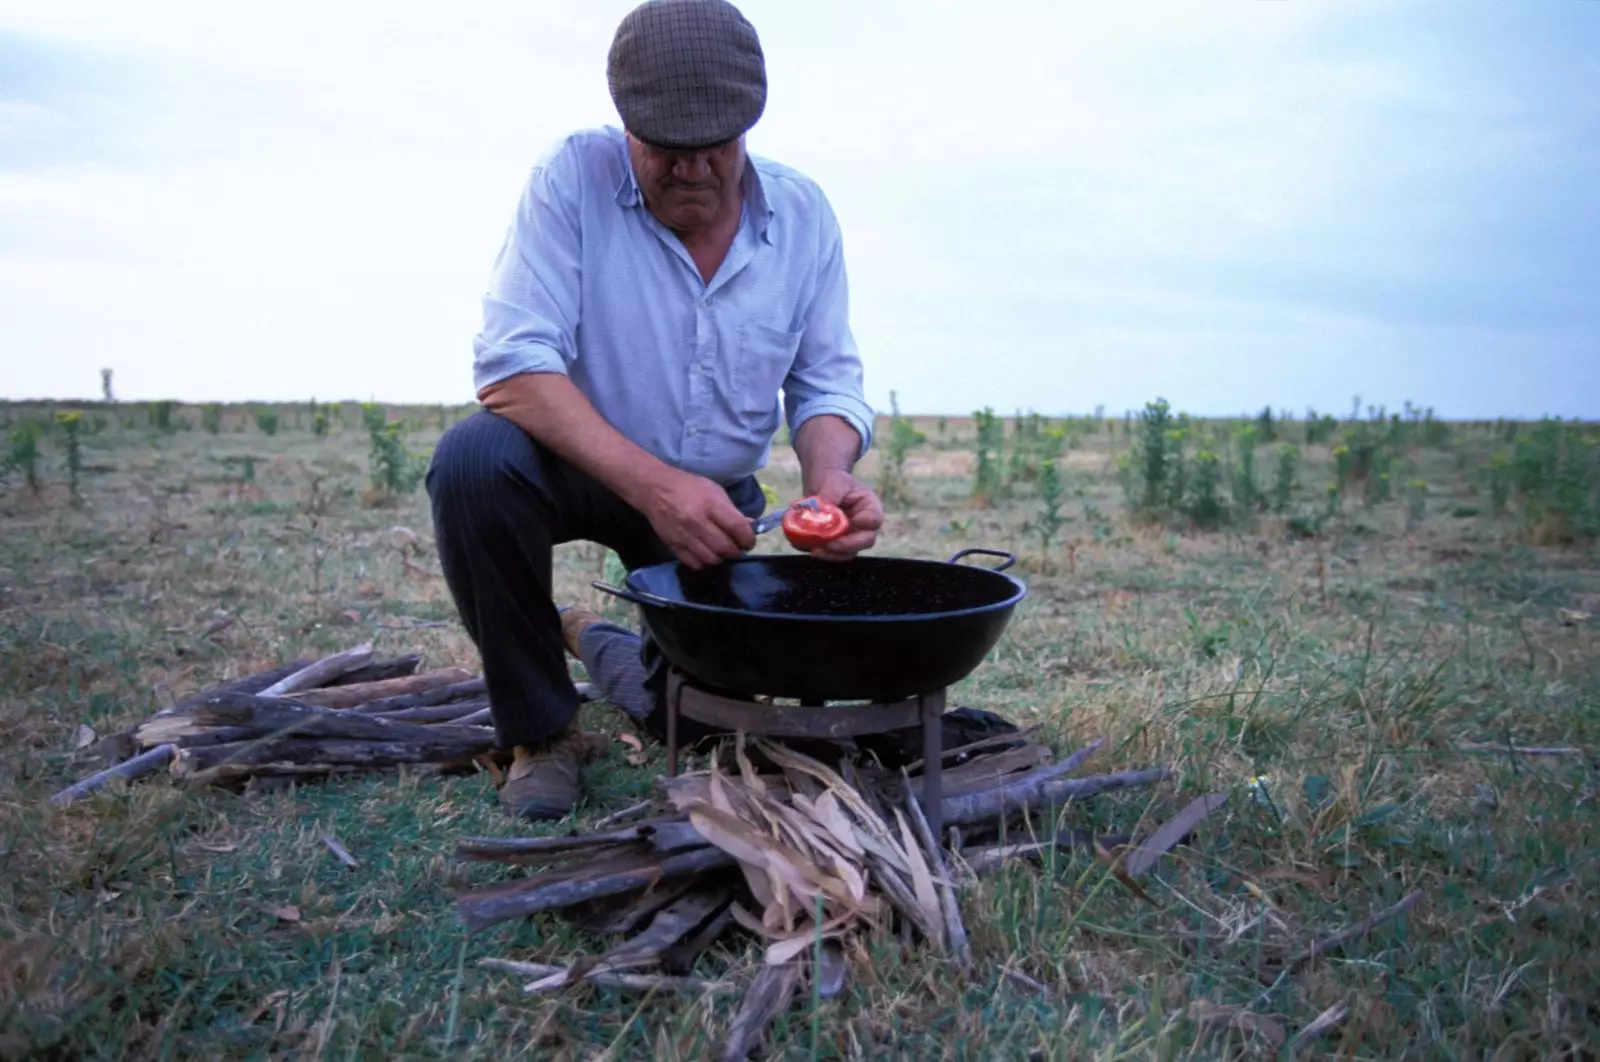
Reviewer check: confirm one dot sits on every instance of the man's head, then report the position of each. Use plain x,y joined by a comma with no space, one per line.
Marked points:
688,78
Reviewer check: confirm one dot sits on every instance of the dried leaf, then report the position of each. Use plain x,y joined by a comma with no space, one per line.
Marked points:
220,847
782,951
83,737
339,850
1144,857
921,877
1205,1012
637,756
287,913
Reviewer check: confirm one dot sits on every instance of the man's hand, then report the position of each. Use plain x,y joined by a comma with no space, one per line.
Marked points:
860,505
697,520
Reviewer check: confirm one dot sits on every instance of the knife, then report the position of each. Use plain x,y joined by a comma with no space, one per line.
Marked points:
773,519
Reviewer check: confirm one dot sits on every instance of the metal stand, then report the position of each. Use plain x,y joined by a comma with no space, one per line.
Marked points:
816,721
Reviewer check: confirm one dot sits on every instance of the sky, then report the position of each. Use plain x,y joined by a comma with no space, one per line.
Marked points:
1045,206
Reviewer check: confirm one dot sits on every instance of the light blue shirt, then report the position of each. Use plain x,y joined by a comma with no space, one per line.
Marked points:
589,283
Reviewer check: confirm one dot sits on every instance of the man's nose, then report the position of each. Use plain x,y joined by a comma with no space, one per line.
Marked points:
695,167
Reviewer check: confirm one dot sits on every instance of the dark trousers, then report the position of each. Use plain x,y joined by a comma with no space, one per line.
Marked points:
501,502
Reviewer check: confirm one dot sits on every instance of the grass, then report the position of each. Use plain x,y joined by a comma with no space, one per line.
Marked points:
1330,683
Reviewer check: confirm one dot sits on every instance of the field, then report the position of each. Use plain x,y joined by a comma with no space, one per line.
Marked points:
1396,681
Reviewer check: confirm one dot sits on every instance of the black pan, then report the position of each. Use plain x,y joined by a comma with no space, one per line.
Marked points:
791,626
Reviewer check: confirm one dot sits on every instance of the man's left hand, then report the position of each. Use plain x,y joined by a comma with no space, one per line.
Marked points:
860,505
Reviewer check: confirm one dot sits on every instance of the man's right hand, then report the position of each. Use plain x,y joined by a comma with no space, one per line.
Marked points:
697,520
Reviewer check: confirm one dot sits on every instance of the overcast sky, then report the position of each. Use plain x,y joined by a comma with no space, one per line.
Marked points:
1045,205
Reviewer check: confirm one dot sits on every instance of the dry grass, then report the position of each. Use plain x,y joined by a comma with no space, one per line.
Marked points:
149,922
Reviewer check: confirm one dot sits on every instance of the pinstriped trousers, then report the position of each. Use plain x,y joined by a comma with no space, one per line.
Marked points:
501,502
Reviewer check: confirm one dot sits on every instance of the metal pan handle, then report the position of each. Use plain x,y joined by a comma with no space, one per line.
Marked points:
638,597
1010,558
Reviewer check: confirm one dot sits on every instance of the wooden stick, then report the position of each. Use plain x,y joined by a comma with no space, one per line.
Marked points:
461,691
1032,791
664,835
128,769
323,671
282,718
1360,929
1328,1019
484,907
378,670
439,713
626,813
625,981
339,751
366,692
1524,750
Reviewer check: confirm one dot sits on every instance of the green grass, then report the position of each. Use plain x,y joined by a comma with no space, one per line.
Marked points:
149,922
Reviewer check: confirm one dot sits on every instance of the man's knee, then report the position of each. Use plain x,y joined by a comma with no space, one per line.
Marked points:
479,458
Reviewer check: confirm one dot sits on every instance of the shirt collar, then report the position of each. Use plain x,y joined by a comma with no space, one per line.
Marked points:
756,207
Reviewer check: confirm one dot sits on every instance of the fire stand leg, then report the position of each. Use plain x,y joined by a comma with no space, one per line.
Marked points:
674,694
932,705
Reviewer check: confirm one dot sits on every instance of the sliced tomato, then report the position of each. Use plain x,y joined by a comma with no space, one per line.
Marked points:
813,522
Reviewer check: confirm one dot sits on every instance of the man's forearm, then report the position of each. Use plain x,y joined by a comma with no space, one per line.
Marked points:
825,444
549,407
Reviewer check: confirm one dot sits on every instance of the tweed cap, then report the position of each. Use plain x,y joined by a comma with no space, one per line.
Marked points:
687,74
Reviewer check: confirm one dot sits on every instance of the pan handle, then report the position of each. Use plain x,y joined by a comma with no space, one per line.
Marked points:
638,597
1010,558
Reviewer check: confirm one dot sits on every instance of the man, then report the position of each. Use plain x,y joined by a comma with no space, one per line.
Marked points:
657,288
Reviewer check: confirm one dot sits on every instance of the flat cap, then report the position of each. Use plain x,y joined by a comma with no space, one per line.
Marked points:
687,74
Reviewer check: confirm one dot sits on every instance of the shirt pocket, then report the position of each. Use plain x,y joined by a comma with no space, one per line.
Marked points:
766,354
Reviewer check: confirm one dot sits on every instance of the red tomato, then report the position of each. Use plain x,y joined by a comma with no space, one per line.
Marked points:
813,522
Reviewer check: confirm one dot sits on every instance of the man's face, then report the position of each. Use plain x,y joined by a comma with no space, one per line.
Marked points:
688,189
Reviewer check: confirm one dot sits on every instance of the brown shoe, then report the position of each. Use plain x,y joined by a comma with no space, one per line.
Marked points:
542,781
574,621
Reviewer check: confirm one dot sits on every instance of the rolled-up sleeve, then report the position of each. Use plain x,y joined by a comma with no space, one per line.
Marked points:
826,376
530,311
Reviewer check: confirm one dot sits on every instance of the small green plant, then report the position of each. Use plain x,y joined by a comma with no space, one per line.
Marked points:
395,470
24,455
211,417
1155,455
1283,479
71,423
267,421
1416,503
319,423
1206,508
1050,521
988,443
1498,473
893,488
1246,492
159,415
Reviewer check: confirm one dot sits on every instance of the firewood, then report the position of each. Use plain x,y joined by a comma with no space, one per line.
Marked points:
626,982
439,713
460,691
322,672
1032,791
264,717
485,907
378,670
128,769
367,692
662,835
343,752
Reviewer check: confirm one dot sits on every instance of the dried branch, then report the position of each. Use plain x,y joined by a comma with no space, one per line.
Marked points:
625,981
322,672
366,692
1360,929
471,689
143,764
484,907
1034,790
1328,1019
378,670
